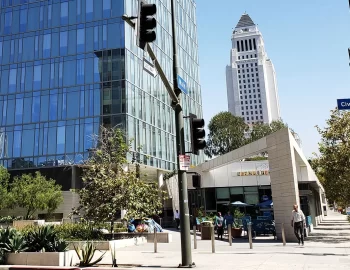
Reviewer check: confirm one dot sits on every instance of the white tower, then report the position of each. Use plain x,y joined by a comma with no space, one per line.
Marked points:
251,79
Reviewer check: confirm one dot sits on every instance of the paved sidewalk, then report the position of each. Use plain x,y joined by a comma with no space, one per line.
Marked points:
328,247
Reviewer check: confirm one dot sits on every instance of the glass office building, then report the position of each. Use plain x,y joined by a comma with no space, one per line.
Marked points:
68,67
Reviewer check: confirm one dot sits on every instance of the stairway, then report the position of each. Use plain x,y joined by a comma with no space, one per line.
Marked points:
334,229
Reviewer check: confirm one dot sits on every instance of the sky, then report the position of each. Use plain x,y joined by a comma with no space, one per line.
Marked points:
307,41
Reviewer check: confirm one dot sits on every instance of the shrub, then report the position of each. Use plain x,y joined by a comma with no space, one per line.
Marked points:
78,231
86,255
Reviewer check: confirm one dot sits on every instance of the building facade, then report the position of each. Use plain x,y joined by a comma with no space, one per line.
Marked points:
251,79
68,67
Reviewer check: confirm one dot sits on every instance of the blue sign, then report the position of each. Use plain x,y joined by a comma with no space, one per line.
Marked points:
343,104
182,84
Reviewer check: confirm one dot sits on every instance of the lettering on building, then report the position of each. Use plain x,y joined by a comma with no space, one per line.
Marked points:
253,173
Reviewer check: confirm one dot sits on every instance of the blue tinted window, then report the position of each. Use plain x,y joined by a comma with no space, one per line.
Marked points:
19,111
63,43
69,74
72,42
53,107
61,139
27,109
8,22
29,79
33,14
37,77
72,108
4,81
23,20
52,138
10,112
55,41
4,113
80,40
23,74
0,51
44,108
17,141
28,142
106,8
47,45
45,77
89,10
80,71
70,139
12,80
36,109
28,48
64,13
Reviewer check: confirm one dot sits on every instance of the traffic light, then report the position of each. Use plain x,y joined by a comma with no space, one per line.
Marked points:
197,134
146,24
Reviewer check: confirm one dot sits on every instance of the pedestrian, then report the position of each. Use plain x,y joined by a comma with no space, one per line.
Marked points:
228,219
177,219
298,222
219,221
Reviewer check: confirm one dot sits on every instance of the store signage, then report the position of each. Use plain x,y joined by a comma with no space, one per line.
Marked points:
253,173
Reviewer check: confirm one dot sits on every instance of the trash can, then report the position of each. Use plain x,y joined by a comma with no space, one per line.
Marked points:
205,230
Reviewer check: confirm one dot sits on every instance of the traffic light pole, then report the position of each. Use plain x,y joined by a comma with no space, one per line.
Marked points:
175,95
180,147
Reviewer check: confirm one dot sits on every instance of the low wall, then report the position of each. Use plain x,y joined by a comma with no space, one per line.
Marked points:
41,259
162,237
105,245
19,224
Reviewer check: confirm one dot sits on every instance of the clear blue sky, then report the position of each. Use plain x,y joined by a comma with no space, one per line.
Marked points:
307,41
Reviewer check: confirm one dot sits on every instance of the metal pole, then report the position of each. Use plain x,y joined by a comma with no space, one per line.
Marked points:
194,237
283,235
250,235
212,239
155,240
180,147
229,228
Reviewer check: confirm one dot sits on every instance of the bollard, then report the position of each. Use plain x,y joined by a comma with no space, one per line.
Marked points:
283,235
230,234
155,240
212,239
250,235
195,237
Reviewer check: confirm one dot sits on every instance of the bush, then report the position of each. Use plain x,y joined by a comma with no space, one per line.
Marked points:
9,219
79,231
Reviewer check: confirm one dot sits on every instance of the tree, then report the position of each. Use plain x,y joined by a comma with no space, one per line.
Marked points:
35,192
261,130
333,164
226,133
4,181
108,177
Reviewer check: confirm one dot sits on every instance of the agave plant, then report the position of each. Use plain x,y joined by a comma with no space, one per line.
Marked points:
86,255
16,244
2,257
5,236
45,239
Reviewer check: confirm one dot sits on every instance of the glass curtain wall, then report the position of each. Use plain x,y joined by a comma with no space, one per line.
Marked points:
62,71
150,119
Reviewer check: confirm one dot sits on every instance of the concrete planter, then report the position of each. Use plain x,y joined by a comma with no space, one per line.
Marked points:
41,259
105,245
19,224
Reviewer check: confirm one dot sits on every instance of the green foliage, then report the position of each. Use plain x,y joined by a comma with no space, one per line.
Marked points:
2,257
332,165
35,192
226,133
112,187
78,231
86,255
9,219
257,158
16,244
4,181
5,236
44,239
261,130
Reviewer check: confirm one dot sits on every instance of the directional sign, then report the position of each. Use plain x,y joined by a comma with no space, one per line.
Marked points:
149,67
182,84
343,104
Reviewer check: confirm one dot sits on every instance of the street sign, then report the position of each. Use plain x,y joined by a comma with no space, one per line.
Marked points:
343,104
149,67
185,162
182,84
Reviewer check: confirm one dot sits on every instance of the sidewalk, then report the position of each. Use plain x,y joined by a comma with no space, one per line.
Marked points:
328,247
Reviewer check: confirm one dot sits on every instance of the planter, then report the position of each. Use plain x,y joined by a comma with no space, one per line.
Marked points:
206,233
41,259
236,232
105,245
19,224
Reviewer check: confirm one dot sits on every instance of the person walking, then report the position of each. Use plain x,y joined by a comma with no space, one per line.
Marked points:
228,219
298,223
219,221
177,219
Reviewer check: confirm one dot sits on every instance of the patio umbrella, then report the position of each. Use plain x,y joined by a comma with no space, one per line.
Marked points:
240,204
265,204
